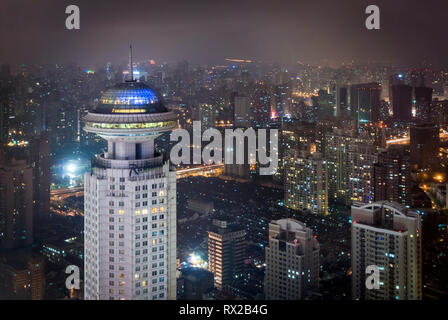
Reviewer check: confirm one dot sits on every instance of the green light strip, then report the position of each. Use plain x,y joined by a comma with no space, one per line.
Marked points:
143,125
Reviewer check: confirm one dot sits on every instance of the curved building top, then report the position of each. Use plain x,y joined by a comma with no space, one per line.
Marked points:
130,98
129,108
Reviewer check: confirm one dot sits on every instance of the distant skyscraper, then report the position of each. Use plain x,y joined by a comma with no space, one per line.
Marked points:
292,261
242,111
294,135
365,102
425,143
194,283
386,235
6,107
423,99
226,251
402,102
342,102
16,203
22,277
282,100
336,144
325,105
261,103
306,185
206,113
361,157
385,90
39,158
439,112
392,175
130,199
239,170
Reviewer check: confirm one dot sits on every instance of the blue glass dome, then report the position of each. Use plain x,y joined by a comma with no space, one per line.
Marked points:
130,98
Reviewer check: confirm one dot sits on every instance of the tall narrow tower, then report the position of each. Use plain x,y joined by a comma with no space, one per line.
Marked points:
130,199
292,261
386,235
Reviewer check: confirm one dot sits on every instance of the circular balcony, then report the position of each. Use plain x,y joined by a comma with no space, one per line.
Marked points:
100,161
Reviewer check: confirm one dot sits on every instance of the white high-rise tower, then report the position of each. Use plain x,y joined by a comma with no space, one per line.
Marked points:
292,261
130,199
387,236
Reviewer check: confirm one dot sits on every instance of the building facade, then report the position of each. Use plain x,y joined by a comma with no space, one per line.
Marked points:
306,182
226,251
361,158
292,261
392,175
388,236
16,204
130,200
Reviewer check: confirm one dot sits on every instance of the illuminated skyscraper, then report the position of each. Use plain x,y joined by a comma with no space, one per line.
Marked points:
226,250
22,276
423,99
261,104
392,175
292,261
306,182
386,235
361,157
242,112
294,136
130,199
336,144
365,102
206,113
16,203
282,100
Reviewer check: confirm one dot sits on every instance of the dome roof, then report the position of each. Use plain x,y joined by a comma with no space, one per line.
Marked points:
130,98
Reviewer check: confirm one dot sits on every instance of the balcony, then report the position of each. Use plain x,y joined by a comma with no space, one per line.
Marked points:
100,162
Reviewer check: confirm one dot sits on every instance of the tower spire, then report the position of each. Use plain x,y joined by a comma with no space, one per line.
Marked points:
131,65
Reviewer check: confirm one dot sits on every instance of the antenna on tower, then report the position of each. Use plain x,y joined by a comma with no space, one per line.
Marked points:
131,65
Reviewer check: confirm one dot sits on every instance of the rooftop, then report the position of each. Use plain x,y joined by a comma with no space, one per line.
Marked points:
130,97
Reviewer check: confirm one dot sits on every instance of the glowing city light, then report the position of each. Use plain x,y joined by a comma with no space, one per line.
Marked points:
71,168
196,261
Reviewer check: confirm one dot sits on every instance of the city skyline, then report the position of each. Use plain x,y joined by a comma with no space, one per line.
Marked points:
238,153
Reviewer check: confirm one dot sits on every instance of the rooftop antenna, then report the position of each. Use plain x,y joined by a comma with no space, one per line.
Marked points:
131,65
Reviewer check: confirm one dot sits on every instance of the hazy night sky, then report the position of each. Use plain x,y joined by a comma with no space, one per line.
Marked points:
316,31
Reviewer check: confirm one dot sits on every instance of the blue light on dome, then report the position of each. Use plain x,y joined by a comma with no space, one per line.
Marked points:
130,97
